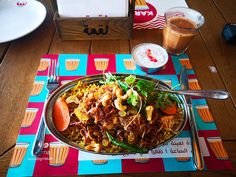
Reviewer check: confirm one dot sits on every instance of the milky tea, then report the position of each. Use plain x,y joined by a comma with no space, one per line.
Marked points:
181,25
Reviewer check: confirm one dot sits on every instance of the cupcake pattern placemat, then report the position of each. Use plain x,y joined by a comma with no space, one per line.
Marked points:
60,159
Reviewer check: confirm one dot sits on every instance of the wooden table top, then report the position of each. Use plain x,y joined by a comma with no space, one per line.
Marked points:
19,61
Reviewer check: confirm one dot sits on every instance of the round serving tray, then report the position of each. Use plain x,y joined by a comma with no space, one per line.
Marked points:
95,79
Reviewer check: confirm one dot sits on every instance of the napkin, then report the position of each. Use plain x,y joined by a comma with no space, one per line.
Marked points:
163,5
149,14
93,8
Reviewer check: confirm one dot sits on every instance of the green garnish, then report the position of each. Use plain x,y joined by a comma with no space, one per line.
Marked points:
174,98
145,87
130,79
129,147
109,79
164,99
123,85
133,99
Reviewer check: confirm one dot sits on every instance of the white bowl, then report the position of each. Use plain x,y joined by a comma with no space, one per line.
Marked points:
149,57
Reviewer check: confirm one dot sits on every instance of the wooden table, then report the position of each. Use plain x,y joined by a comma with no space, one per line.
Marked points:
19,60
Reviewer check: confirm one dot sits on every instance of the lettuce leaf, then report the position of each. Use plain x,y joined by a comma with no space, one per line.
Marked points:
130,79
133,99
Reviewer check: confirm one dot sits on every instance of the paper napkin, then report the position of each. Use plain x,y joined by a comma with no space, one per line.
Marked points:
149,14
93,8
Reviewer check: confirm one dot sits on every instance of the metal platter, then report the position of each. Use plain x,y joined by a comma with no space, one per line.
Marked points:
95,79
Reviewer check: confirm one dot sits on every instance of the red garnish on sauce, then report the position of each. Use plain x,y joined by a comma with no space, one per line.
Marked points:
149,55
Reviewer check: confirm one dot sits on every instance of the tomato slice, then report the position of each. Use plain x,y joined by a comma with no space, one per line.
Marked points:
61,116
170,109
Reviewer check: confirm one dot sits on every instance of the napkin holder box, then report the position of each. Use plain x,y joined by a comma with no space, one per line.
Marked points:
94,28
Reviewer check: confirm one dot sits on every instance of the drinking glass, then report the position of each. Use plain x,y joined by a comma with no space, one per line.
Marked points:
181,26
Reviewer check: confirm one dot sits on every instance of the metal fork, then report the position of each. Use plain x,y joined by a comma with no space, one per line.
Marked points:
52,84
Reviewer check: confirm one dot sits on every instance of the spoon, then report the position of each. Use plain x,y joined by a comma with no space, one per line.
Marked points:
215,94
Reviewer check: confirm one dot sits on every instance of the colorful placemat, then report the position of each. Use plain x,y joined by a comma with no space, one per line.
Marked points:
59,159
149,14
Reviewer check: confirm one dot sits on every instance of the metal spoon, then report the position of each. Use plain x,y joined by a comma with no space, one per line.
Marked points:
215,94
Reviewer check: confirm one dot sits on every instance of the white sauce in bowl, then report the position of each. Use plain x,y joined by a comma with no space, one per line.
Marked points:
150,55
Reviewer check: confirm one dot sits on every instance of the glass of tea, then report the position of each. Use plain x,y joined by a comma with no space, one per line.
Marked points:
181,26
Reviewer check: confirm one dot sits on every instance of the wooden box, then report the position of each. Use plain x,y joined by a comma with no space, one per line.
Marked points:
95,28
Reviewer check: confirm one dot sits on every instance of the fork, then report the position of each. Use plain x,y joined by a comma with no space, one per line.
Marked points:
52,84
